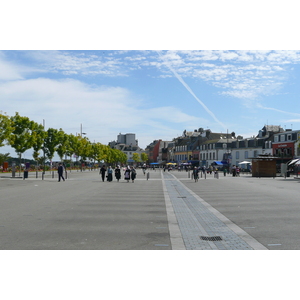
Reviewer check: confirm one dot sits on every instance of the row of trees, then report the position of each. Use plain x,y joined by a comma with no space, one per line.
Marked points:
23,134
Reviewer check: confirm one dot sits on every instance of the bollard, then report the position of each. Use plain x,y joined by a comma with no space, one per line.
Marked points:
25,175
148,175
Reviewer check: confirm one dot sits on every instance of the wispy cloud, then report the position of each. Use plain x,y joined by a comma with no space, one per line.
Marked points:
78,62
241,74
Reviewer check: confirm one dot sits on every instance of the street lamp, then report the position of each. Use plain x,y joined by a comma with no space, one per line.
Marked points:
81,133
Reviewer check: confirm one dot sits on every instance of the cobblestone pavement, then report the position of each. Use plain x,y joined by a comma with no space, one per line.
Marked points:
201,226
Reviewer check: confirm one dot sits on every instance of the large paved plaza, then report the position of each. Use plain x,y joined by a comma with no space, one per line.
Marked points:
167,212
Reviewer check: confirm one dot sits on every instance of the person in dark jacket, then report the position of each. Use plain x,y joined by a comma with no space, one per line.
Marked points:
118,173
109,174
196,174
60,171
133,173
102,172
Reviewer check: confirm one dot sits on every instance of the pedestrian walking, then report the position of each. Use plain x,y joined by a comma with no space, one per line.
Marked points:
144,168
196,174
233,170
102,172
118,173
127,174
109,174
133,174
60,171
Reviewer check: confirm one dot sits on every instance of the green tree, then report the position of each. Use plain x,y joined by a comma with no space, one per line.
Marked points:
23,134
62,147
136,157
84,148
122,157
51,142
144,157
109,155
38,144
5,128
97,153
72,146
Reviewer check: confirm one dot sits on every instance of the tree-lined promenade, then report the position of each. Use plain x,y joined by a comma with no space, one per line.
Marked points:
23,134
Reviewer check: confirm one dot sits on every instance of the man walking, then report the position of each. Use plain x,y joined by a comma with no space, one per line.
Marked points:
60,171
102,172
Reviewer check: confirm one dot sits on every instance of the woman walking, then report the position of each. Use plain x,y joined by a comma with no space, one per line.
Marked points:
127,174
133,173
118,173
109,174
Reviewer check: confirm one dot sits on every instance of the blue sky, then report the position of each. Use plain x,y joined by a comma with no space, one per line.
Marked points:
154,94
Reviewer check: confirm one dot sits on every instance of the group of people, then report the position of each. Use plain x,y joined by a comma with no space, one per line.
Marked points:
129,173
235,170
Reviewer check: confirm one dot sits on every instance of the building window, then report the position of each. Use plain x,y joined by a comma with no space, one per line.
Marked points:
246,154
282,138
289,137
237,154
276,138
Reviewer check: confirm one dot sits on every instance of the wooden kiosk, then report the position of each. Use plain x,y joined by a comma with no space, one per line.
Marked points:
264,166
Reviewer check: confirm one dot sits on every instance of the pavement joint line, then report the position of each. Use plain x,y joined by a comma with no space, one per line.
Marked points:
176,238
236,229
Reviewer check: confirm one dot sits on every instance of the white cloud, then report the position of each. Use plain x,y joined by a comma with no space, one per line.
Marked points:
292,121
69,62
105,109
8,71
247,75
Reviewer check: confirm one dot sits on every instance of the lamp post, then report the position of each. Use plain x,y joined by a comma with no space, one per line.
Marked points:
44,167
81,133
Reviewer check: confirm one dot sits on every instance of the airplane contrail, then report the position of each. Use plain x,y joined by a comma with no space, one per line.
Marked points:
191,92
278,110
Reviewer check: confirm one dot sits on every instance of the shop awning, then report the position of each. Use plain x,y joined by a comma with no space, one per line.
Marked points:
293,161
244,162
220,163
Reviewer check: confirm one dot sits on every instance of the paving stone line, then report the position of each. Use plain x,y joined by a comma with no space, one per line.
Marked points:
196,219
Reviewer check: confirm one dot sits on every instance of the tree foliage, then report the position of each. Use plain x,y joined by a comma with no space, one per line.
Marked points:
136,157
22,134
38,144
5,128
144,157
51,142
